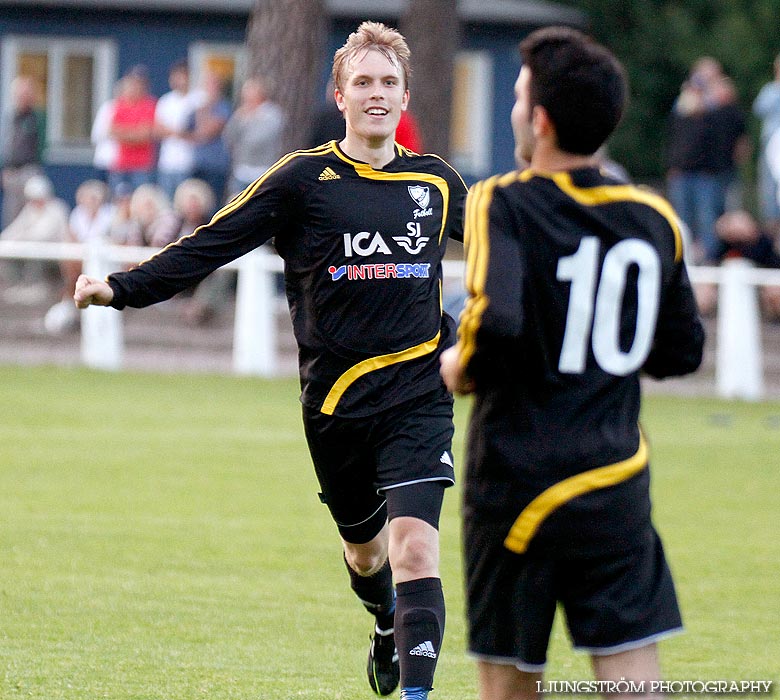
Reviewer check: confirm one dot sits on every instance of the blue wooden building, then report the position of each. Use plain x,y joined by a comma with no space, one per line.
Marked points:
77,49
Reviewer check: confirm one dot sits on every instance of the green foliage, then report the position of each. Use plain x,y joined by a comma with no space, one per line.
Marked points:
658,41
161,538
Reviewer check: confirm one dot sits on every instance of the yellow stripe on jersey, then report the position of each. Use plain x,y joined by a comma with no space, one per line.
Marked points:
534,514
366,171
477,244
372,364
607,194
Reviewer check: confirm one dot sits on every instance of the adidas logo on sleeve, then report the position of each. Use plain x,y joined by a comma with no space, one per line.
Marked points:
424,649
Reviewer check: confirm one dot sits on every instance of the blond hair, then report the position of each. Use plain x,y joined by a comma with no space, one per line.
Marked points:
377,36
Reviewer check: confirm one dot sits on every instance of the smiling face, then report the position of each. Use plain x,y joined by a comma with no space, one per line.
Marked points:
372,97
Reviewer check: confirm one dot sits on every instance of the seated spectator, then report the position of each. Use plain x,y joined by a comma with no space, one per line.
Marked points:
152,219
194,203
42,218
90,220
122,228
92,215
741,236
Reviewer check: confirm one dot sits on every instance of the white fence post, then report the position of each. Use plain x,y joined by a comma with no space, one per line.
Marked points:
254,333
102,339
739,371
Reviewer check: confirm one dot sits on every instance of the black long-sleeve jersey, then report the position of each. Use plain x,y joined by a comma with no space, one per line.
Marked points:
577,284
362,249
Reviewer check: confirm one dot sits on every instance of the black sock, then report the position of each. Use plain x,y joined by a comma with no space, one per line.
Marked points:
376,593
419,628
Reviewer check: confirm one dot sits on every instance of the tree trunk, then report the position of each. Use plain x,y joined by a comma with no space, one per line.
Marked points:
285,40
431,29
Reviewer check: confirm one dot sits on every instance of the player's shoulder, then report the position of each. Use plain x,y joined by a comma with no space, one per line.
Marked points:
428,163
303,164
504,185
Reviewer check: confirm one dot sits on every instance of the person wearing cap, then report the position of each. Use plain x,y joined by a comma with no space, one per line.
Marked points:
43,218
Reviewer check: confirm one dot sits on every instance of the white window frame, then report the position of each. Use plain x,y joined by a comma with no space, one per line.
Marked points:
476,159
57,48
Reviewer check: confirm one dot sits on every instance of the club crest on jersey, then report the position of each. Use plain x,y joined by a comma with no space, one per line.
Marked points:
422,197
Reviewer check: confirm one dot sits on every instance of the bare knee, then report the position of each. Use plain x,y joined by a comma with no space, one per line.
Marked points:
367,558
414,549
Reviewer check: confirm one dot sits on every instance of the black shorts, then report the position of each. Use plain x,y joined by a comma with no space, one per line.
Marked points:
612,602
357,460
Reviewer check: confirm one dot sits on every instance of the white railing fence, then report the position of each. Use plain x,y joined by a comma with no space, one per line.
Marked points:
739,357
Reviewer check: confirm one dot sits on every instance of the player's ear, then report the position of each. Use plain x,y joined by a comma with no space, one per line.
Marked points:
405,101
339,100
542,124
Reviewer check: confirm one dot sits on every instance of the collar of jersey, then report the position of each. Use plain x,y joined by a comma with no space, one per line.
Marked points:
360,165
605,194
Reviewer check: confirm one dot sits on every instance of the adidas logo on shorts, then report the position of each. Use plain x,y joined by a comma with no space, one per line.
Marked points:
424,649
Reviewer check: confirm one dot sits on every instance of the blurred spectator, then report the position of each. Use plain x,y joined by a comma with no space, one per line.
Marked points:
328,123
106,147
172,114
731,145
193,204
90,220
253,135
22,146
91,217
766,107
706,137
741,236
205,127
133,128
121,229
42,218
408,132
152,219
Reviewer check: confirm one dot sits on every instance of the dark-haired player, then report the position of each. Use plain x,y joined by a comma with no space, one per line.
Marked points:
576,285
362,226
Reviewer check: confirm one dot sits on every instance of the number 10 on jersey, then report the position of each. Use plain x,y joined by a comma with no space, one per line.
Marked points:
596,305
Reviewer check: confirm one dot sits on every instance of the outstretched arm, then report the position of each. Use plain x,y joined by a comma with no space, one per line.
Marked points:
91,291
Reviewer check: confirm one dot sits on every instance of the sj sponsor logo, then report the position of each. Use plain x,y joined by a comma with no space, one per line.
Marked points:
364,243
380,271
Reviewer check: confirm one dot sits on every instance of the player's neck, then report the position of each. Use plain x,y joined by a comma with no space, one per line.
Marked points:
549,159
376,153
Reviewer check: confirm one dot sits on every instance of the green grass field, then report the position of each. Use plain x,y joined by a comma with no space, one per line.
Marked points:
161,538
